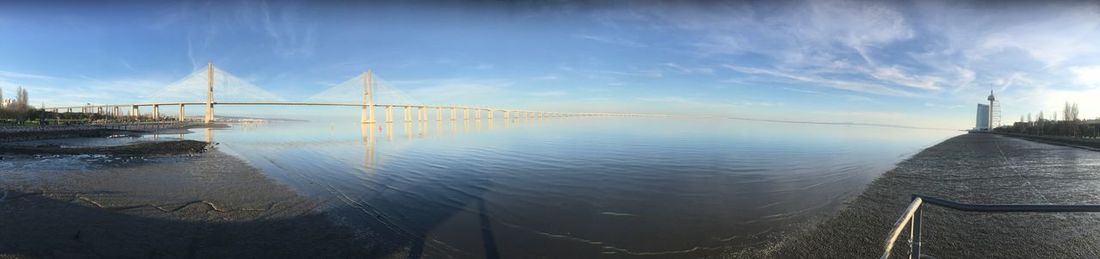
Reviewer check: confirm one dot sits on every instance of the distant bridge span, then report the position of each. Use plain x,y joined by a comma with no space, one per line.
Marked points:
422,112
367,106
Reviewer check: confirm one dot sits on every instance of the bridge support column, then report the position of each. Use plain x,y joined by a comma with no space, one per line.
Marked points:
454,111
156,112
465,114
408,114
389,113
420,113
182,113
209,93
490,112
134,111
438,113
368,99
477,114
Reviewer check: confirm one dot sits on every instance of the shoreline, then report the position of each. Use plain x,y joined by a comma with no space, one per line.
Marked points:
13,134
207,205
174,147
969,168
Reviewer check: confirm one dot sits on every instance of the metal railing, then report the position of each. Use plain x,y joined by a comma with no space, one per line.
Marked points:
912,217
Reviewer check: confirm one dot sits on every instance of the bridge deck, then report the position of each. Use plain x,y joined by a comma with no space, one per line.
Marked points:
169,104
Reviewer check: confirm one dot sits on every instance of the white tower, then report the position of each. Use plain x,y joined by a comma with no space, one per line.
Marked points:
994,111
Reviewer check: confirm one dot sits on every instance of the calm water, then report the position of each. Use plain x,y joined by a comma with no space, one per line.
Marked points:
578,187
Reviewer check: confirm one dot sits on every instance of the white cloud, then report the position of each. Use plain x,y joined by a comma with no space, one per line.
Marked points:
1087,75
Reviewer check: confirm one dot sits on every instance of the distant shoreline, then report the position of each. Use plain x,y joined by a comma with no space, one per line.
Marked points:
841,123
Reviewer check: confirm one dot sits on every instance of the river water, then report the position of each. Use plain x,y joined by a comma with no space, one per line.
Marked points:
573,187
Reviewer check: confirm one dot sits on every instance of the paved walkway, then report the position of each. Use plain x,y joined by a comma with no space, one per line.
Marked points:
972,168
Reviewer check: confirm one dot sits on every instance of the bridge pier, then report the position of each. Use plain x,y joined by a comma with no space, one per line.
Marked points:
209,93
439,113
408,114
454,111
368,99
389,113
134,111
182,113
156,112
477,114
490,112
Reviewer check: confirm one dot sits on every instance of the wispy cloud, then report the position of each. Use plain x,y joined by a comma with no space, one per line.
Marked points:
18,75
665,99
855,86
547,94
612,40
689,70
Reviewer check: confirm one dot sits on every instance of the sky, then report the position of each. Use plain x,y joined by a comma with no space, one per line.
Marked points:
912,63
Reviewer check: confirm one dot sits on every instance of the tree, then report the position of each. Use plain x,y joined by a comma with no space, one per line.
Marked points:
21,98
1066,111
1074,111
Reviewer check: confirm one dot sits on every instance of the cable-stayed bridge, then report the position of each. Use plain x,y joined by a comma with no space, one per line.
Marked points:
233,91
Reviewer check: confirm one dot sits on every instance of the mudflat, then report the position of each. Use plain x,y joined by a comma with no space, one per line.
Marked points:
136,149
203,205
971,168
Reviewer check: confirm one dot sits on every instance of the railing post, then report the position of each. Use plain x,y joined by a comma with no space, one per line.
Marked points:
915,233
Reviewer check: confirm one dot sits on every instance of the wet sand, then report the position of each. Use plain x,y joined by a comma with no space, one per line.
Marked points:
970,168
207,205
176,147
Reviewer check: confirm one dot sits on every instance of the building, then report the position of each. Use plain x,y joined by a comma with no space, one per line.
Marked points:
994,111
983,117
989,115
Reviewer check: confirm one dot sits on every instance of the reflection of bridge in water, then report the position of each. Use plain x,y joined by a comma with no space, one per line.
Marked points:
371,134
367,106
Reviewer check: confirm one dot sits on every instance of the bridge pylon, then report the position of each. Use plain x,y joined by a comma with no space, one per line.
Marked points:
368,98
209,93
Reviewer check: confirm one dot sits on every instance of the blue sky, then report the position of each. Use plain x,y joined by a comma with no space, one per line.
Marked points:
922,63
